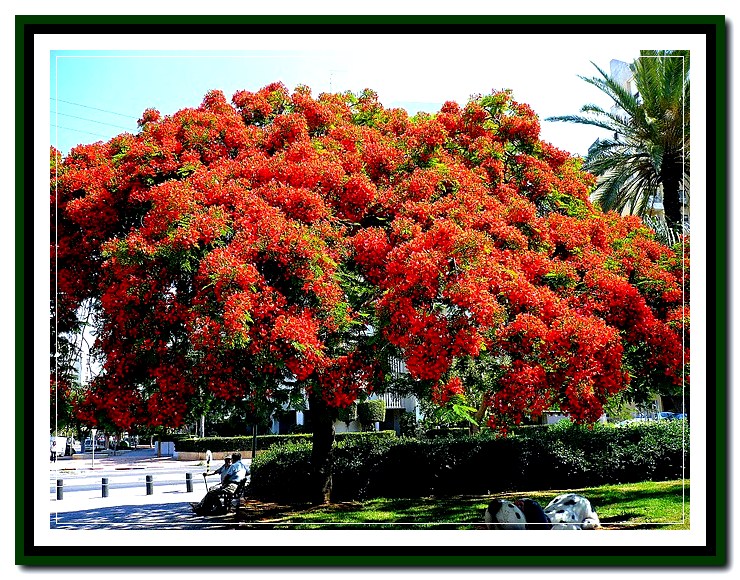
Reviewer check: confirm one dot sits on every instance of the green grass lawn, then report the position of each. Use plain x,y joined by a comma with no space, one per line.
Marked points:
649,505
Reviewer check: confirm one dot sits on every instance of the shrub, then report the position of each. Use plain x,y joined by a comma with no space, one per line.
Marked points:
556,457
370,412
219,444
282,473
357,458
447,432
177,437
657,450
408,425
369,436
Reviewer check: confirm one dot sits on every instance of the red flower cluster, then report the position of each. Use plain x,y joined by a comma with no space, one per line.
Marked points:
443,393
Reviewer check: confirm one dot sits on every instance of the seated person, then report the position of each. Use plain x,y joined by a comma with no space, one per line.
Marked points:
221,470
233,475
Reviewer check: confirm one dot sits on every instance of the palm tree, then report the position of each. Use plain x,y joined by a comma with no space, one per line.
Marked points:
648,147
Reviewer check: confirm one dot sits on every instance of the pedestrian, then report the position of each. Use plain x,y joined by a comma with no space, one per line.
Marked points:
230,480
53,450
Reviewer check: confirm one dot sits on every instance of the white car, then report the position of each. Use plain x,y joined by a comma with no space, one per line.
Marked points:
632,421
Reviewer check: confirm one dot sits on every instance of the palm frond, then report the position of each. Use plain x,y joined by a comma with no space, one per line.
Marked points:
664,233
583,121
650,129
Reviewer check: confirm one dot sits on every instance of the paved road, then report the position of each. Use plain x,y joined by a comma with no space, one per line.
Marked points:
128,506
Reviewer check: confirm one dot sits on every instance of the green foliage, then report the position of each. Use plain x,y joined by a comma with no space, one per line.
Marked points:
665,233
571,206
646,381
619,408
264,442
478,374
219,444
562,456
351,437
348,414
178,438
557,280
408,424
447,432
366,110
649,505
186,169
495,104
456,411
370,412
282,472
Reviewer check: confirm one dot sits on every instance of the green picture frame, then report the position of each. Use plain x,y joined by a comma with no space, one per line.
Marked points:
713,553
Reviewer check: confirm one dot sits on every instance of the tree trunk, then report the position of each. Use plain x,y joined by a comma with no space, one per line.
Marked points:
322,453
480,414
671,172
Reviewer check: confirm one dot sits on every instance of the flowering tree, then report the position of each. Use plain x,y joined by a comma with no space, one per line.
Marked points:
284,245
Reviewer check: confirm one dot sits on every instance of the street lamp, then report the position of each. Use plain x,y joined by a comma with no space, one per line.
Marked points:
93,432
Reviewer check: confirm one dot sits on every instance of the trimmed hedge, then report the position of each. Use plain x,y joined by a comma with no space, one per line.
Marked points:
447,432
551,458
371,411
219,444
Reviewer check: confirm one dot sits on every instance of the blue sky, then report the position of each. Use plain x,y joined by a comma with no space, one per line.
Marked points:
97,94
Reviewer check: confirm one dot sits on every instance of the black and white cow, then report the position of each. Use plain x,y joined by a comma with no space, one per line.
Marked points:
536,517
568,511
504,515
571,511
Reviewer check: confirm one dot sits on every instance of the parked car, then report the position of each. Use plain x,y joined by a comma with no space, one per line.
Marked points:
632,421
666,415
58,445
99,445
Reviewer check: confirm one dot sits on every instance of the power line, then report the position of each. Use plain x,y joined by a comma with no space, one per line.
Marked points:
79,131
91,120
93,108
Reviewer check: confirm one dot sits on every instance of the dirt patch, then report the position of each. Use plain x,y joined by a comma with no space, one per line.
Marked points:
253,510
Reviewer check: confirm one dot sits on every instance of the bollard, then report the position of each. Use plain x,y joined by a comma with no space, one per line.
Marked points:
105,487
60,489
149,485
189,482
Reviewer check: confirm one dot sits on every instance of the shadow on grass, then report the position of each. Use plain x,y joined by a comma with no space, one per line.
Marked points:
648,505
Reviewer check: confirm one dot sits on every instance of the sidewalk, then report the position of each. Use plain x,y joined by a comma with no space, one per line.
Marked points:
168,507
131,509
129,459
